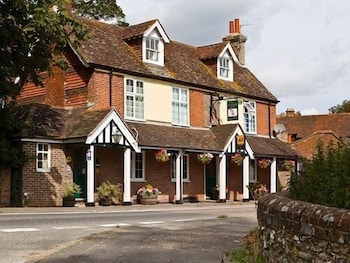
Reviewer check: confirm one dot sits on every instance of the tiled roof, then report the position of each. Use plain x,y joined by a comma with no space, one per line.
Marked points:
107,47
60,123
77,123
153,135
303,126
263,146
307,146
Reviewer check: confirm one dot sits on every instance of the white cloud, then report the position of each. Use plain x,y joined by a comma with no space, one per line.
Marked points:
298,49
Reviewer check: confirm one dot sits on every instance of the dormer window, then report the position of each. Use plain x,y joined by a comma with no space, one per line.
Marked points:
152,49
225,63
225,67
153,44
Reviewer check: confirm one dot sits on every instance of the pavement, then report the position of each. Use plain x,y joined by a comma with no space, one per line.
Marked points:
81,208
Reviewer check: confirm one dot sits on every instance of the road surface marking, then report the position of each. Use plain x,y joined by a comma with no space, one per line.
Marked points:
114,225
11,230
69,227
185,220
151,222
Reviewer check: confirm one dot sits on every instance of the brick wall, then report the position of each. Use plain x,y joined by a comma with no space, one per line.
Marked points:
196,108
156,173
296,231
45,189
263,125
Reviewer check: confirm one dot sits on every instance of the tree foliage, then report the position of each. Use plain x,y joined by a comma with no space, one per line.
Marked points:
10,152
326,178
33,35
341,108
107,10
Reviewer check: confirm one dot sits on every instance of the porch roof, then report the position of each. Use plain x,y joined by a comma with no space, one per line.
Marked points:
52,123
268,147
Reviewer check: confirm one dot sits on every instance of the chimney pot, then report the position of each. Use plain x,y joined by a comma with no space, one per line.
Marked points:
237,26
231,27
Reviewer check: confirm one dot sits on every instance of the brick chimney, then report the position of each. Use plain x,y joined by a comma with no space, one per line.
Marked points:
290,112
237,39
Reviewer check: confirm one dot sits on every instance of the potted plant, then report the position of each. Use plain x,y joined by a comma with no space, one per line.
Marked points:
205,158
237,159
148,195
162,155
107,191
288,165
264,163
70,191
257,190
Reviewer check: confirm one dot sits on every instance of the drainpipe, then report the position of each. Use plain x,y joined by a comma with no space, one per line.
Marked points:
269,116
110,87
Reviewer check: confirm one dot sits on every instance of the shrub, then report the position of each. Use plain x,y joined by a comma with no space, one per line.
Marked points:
250,250
325,179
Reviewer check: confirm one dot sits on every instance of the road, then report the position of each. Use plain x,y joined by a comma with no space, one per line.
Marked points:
43,235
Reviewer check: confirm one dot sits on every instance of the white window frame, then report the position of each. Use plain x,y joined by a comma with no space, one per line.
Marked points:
46,163
133,167
186,171
249,116
179,103
252,171
153,44
134,93
225,67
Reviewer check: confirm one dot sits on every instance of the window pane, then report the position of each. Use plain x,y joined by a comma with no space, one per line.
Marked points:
129,85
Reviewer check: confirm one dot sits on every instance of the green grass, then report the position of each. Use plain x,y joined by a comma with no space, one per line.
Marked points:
222,216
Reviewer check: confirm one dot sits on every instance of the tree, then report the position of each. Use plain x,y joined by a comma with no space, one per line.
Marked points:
344,107
34,35
107,10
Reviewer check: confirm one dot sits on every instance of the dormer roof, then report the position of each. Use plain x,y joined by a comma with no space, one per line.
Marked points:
107,47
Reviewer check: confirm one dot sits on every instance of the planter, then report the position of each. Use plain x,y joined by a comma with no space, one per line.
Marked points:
149,200
68,201
105,201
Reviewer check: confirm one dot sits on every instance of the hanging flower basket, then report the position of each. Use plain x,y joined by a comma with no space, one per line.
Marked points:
205,158
162,155
264,163
288,165
237,159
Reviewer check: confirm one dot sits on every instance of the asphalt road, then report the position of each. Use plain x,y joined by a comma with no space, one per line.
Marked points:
188,233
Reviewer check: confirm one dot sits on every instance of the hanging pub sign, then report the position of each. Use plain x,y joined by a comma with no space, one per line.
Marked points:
239,142
232,110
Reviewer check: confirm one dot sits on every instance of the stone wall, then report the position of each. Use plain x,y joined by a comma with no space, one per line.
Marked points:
296,231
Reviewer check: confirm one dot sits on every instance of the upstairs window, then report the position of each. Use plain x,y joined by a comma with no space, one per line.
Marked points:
134,99
152,49
180,107
225,67
43,157
249,116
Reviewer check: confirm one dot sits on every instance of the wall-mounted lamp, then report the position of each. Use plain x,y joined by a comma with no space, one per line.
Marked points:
116,134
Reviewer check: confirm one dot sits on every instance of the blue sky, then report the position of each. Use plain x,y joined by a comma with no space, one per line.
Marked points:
299,49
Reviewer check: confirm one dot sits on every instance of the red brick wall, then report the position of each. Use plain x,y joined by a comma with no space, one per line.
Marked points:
196,108
156,173
263,118
118,93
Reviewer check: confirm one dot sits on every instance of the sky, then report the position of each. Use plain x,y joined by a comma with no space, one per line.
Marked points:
300,49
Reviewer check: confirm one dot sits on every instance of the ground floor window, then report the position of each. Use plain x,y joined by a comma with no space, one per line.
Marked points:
185,168
137,166
43,157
